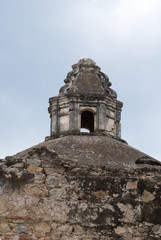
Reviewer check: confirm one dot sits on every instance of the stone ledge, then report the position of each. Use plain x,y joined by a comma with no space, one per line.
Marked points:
85,134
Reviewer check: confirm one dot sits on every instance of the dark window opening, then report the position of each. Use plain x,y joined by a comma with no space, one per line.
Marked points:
87,120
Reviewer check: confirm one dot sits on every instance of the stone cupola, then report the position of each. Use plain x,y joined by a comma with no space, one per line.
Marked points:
86,101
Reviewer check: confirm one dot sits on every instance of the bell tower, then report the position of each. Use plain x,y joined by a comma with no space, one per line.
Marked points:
86,101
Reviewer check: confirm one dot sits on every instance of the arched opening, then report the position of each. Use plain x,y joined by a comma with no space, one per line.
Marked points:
87,120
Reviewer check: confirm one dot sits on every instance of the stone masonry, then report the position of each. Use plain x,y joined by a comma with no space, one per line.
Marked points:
79,186
85,101
45,195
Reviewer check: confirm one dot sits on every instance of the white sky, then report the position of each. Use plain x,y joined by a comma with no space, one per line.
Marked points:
41,39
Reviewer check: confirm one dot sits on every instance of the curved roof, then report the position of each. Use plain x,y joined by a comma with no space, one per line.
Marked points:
87,84
97,151
87,79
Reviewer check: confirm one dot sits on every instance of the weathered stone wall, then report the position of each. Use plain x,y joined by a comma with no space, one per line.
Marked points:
86,89
45,197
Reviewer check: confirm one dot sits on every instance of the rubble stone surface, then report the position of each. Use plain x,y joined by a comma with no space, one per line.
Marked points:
70,199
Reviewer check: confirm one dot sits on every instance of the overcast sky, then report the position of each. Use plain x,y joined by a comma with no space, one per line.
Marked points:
41,39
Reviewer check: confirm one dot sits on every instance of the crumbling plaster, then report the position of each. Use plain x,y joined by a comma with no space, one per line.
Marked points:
45,196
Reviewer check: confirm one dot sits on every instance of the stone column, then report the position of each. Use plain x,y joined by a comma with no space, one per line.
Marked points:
73,117
118,119
97,118
102,118
54,114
